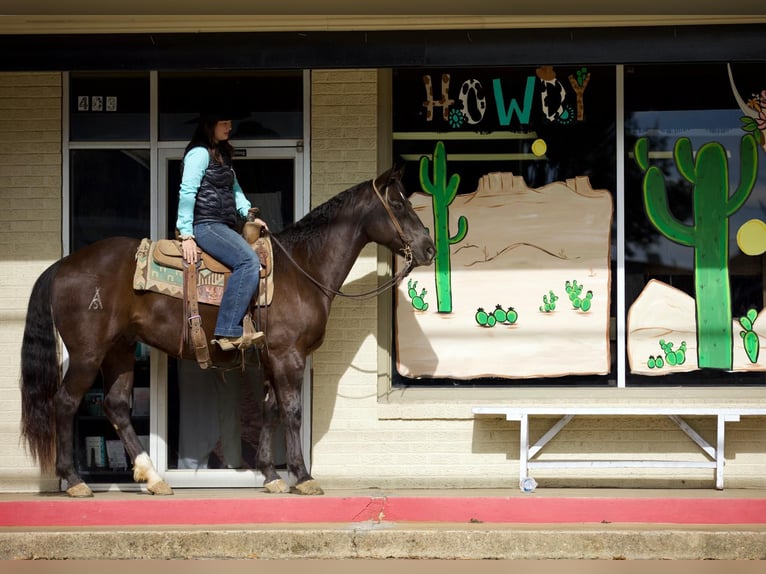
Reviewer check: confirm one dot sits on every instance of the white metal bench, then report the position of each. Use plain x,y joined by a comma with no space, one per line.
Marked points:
527,453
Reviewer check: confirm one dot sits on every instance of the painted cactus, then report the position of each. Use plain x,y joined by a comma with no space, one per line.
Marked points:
443,193
749,337
708,234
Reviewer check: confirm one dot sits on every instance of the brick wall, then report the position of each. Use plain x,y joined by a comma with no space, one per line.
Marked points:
343,153
30,239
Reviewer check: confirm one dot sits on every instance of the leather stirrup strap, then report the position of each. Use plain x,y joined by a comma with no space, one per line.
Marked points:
194,321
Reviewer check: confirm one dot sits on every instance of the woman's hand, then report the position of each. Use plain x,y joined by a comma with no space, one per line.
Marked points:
189,247
261,223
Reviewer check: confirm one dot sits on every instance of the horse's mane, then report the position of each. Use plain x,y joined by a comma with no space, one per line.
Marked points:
310,231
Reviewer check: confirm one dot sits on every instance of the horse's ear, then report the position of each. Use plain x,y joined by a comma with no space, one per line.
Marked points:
392,174
397,170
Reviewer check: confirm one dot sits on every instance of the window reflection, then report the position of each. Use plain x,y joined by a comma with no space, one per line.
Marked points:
272,103
109,194
109,107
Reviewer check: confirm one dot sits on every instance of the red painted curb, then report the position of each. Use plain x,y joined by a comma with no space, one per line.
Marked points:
533,510
159,511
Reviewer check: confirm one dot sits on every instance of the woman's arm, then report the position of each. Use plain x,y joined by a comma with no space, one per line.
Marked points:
195,164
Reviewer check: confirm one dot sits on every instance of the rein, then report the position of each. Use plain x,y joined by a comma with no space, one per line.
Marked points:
395,279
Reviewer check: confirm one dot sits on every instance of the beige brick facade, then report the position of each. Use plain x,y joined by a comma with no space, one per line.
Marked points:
30,239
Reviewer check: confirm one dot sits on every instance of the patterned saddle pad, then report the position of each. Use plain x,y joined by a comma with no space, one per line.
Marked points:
159,268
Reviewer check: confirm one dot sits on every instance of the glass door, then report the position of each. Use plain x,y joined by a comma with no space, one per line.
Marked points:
205,432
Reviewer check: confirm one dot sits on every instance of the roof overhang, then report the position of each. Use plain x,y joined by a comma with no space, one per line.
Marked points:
174,16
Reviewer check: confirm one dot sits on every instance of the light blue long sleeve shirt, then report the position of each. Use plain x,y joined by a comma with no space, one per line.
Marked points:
195,164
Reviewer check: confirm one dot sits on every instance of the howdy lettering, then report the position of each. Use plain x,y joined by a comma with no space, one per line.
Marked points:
554,98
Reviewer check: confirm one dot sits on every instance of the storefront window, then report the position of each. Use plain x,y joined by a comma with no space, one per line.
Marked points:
694,220
108,107
266,106
109,194
516,173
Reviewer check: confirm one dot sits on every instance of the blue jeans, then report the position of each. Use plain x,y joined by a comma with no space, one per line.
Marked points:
231,249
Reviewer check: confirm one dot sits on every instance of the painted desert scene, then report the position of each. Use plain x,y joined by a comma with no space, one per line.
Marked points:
529,285
662,316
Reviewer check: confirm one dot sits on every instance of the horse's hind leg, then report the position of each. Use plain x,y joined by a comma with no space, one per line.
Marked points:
78,379
117,370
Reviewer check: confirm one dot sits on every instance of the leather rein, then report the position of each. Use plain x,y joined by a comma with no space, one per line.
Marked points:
394,280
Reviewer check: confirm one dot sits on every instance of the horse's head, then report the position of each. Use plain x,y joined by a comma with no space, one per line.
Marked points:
399,228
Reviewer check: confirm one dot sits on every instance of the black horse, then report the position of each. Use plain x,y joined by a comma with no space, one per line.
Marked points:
317,254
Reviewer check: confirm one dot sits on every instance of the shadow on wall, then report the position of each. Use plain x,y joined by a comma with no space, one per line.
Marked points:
325,394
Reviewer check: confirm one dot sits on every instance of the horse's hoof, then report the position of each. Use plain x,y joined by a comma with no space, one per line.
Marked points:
310,487
79,490
160,487
276,486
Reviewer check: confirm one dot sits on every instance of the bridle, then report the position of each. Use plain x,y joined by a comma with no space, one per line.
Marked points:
406,252
406,243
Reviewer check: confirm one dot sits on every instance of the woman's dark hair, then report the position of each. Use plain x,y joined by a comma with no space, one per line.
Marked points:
203,136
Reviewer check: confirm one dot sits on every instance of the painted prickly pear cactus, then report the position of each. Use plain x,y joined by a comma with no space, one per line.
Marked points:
574,290
672,357
417,300
442,192
708,235
749,337
549,302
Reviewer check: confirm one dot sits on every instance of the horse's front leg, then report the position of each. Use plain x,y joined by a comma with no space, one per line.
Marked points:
265,463
117,370
288,391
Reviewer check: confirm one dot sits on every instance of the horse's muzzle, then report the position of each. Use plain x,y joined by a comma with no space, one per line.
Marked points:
423,253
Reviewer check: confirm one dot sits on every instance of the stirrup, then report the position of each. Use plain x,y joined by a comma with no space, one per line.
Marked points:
240,343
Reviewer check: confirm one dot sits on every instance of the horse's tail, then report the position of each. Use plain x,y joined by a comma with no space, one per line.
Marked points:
40,373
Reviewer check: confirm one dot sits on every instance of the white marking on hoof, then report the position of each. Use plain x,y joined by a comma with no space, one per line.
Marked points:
276,486
310,487
79,490
161,488
143,469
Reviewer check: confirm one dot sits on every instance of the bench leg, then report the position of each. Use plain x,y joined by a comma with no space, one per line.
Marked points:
719,452
523,448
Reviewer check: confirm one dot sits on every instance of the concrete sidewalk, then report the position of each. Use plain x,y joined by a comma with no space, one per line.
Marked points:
374,524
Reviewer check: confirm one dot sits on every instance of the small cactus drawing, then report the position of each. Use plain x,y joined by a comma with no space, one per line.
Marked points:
498,316
549,302
417,300
655,362
574,290
708,235
509,315
749,337
442,192
672,358
484,319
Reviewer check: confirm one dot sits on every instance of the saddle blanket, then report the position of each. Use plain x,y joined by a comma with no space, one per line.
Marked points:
152,275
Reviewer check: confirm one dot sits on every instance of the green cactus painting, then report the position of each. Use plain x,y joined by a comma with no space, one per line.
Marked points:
749,337
442,192
708,235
